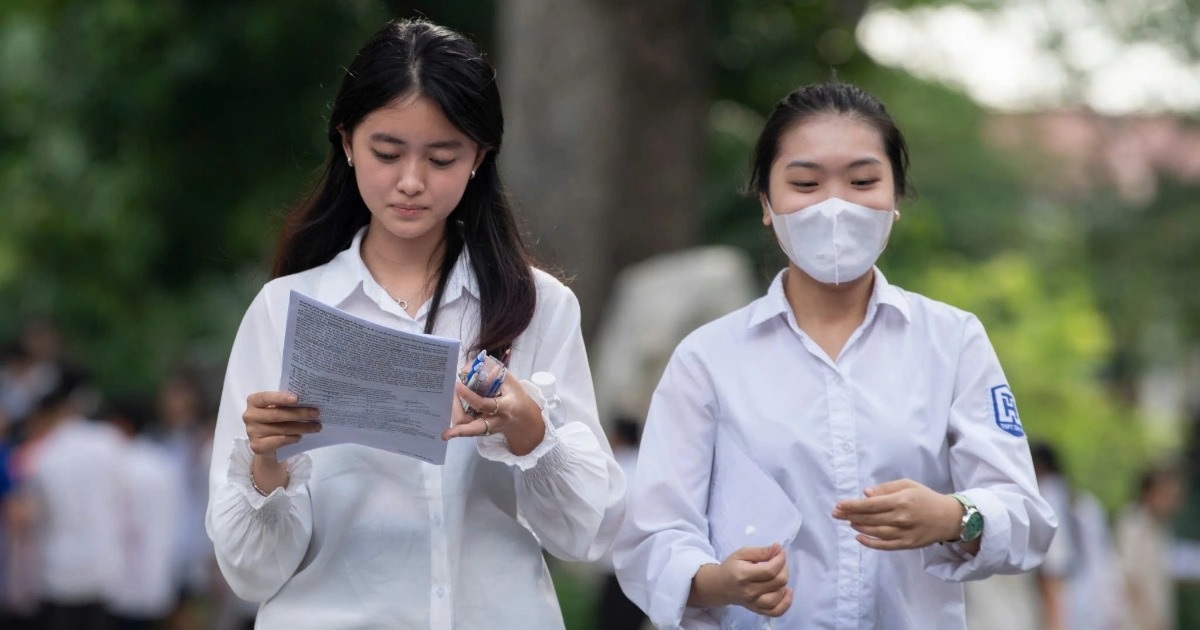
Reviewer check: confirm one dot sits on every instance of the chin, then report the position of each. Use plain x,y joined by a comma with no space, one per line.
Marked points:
413,230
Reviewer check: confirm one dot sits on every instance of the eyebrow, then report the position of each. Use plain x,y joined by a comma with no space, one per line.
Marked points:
440,144
817,167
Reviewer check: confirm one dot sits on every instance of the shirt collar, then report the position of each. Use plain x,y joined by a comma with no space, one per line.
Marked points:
775,301
347,273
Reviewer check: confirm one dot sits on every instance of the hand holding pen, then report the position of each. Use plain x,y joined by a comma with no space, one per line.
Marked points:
485,377
510,410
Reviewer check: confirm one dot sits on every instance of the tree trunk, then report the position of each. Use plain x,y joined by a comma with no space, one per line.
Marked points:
605,103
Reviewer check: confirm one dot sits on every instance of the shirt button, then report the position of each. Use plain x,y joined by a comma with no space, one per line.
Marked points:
441,592
437,521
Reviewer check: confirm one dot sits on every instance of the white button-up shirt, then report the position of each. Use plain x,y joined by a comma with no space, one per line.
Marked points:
76,480
754,426
153,491
363,538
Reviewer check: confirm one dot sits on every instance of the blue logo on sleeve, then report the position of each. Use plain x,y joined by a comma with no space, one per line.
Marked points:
1005,408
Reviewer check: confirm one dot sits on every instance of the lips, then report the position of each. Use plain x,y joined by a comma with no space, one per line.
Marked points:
408,212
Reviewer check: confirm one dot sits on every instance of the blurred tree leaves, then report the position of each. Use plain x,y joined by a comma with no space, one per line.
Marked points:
1146,262
146,150
969,197
147,153
1054,344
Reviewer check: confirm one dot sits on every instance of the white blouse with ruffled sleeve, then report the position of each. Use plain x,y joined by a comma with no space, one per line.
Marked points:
363,538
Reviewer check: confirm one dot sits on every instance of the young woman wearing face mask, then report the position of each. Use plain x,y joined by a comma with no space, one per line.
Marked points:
841,453
409,227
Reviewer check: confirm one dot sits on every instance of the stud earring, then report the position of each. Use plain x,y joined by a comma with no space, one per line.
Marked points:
350,161
472,174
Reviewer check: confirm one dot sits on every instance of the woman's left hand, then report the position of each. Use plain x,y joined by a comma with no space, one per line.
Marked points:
902,514
511,412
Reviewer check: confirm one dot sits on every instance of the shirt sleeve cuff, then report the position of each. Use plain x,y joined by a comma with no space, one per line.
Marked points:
668,603
950,563
495,447
241,458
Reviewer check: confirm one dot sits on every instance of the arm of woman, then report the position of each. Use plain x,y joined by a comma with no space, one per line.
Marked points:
569,488
664,544
259,540
991,465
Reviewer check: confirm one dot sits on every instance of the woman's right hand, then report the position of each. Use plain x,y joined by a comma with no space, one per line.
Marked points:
271,423
752,577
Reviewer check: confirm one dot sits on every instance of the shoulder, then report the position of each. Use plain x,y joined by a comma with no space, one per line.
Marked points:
550,286
556,310
307,282
553,296
718,338
97,438
154,460
937,317
271,302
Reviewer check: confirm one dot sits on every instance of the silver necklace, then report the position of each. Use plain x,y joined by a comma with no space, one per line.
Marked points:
403,304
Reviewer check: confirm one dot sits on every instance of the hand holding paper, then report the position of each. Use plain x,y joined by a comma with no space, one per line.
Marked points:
370,384
750,519
272,421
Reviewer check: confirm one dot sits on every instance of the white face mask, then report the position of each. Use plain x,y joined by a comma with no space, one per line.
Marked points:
834,241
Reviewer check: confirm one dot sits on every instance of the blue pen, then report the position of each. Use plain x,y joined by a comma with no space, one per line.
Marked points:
475,364
495,388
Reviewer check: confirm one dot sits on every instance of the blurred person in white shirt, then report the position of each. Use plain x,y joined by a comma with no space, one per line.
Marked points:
184,428
31,367
145,594
1094,590
614,611
1079,583
71,491
1144,541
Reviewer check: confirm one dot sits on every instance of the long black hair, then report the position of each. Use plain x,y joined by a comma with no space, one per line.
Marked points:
833,97
415,57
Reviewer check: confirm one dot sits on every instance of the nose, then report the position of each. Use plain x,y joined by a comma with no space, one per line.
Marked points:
841,190
411,181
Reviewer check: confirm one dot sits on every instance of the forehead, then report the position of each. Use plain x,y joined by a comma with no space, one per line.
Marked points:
414,119
832,139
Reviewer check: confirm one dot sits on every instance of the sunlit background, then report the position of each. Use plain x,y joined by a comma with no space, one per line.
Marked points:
148,151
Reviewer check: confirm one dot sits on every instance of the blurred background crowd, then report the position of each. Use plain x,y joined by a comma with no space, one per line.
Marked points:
148,151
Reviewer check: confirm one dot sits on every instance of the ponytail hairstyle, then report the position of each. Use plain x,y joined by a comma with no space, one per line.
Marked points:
817,99
407,58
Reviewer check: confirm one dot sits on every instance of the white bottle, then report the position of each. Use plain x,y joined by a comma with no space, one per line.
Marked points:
546,382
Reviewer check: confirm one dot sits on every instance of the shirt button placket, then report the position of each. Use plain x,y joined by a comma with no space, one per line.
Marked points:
845,478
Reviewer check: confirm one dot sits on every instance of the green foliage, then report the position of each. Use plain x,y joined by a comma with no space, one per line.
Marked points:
969,197
1053,344
1147,264
147,153
760,51
147,149
578,593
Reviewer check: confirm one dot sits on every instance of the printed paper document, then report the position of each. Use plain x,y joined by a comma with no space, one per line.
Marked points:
373,385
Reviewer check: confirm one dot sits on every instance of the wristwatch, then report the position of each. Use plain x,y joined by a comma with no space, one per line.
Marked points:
972,520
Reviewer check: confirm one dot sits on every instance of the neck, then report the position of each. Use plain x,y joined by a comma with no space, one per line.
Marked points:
395,261
821,305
